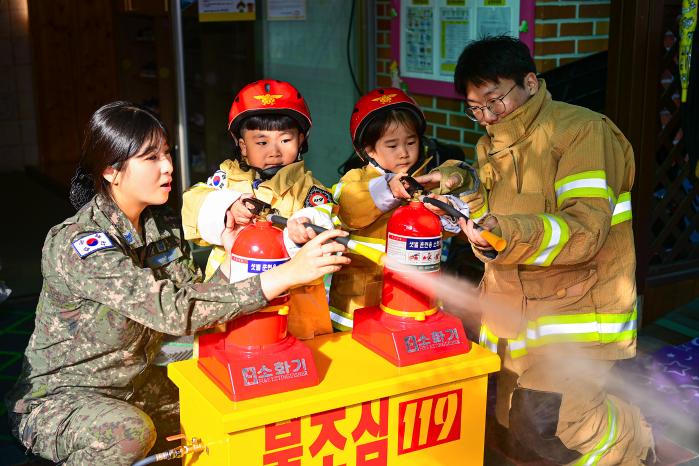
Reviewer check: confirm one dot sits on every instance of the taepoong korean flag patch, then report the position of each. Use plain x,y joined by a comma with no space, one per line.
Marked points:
91,243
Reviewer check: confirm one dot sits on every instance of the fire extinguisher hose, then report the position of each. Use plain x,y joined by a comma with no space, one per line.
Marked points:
356,247
494,240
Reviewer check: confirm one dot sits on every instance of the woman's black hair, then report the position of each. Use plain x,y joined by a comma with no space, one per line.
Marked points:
114,134
491,59
380,123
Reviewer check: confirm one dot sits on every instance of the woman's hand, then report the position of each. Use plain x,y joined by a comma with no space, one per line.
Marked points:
315,259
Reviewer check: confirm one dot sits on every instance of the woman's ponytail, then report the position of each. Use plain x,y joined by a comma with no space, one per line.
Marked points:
82,188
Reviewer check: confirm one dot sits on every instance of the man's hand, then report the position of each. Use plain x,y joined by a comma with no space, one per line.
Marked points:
397,188
298,233
472,232
434,180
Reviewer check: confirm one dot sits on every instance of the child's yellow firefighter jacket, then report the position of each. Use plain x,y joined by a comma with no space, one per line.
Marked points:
291,189
558,178
365,205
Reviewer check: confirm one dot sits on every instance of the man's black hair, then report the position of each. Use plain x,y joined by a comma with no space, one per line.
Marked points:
491,59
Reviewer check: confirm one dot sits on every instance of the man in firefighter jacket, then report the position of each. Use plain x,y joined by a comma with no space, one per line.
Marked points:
265,108
559,303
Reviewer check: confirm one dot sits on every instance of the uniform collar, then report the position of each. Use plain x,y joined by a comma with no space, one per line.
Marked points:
519,123
377,168
286,177
116,223
267,190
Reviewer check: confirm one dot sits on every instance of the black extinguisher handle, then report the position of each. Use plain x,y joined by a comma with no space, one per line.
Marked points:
495,241
279,220
449,209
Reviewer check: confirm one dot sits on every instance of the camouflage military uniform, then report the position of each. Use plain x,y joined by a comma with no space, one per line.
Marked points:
88,382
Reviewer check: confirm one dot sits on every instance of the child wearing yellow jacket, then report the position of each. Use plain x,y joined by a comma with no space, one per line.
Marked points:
386,129
270,122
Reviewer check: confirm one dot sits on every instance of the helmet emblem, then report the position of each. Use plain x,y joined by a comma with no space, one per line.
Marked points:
268,99
384,99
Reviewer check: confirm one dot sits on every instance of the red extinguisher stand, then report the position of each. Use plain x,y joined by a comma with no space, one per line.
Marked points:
255,356
408,327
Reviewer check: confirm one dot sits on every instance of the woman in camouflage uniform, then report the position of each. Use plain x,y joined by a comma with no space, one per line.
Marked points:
117,276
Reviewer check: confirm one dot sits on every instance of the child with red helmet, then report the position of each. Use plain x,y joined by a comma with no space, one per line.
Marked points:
386,127
270,122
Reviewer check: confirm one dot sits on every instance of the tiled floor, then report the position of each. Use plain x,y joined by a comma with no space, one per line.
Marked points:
20,252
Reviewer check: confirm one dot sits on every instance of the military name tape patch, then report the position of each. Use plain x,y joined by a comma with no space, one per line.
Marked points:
217,180
91,243
317,196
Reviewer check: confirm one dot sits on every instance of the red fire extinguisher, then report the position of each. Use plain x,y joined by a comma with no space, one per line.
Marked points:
413,244
408,327
258,247
255,356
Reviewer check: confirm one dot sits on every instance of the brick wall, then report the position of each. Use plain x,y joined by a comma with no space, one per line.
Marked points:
565,30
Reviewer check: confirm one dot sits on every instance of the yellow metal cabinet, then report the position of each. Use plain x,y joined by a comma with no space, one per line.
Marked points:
364,412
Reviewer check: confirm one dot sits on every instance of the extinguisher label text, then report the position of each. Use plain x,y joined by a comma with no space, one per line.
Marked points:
424,245
280,370
423,253
434,340
244,267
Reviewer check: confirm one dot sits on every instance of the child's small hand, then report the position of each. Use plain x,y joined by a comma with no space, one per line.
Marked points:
239,212
298,233
434,209
237,216
397,188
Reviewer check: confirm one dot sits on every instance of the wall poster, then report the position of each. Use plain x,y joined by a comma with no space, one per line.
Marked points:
429,35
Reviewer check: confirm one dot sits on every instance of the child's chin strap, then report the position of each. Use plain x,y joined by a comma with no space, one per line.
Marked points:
268,173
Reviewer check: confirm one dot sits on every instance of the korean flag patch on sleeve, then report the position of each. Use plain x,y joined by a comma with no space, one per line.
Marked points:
317,196
91,243
217,180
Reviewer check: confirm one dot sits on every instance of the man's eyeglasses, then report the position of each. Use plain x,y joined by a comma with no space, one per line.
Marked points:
496,106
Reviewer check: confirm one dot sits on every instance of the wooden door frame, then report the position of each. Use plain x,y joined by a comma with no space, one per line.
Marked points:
632,81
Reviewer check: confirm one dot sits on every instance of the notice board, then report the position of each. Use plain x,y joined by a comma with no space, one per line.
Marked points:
427,36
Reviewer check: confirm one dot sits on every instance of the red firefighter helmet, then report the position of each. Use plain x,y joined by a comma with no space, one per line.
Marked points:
269,96
378,100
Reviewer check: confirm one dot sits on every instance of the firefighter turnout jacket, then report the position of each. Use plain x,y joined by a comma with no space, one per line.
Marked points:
291,189
557,178
559,303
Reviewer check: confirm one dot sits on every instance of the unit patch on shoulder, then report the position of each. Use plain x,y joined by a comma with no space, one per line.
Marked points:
217,180
91,243
317,196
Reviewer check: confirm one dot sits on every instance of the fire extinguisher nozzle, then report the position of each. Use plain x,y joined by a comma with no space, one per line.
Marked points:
498,243
374,255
